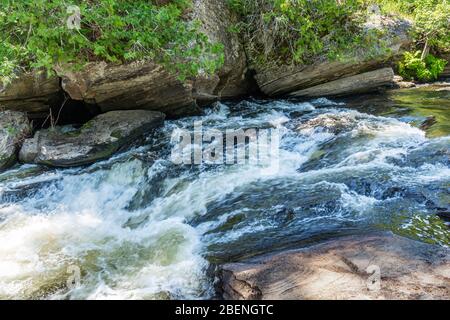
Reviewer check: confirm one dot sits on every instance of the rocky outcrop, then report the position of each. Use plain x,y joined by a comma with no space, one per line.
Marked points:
136,85
282,80
360,83
217,18
33,93
14,128
146,85
98,139
378,266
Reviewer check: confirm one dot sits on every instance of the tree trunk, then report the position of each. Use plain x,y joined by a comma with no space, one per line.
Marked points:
426,51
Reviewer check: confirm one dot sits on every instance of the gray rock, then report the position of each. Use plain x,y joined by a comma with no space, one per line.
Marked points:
98,139
361,83
281,80
136,85
377,266
14,128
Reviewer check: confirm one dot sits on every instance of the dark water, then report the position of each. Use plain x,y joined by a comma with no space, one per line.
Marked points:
139,226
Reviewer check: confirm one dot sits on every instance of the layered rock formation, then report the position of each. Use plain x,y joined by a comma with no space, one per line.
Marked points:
31,92
379,266
98,139
282,80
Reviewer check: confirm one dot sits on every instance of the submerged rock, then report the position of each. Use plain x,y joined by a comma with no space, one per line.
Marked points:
96,140
14,128
378,266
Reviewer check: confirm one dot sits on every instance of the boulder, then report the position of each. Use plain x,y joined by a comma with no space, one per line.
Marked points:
98,139
281,80
146,85
361,83
377,266
14,128
33,93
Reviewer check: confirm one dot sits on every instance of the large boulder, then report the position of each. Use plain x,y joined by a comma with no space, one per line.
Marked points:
281,80
378,266
32,92
146,85
98,139
14,128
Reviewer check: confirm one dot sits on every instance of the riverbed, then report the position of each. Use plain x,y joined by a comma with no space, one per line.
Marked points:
139,226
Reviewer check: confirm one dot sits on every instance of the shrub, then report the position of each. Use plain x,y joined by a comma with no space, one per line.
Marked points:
413,67
34,35
297,31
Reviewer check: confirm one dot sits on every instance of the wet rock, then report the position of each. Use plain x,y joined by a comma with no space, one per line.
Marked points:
400,83
444,215
361,83
333,123
14,128
378,266
283,80
428,123
33,93
98,139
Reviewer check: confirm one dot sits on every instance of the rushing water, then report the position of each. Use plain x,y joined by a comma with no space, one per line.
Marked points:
139,226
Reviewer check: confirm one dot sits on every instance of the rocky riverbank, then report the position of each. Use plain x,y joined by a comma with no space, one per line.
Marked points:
378,266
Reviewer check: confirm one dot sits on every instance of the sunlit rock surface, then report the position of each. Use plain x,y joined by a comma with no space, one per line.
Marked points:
379,266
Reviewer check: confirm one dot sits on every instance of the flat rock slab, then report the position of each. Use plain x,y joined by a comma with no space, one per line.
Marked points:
14,128
378,266
98,139
361,83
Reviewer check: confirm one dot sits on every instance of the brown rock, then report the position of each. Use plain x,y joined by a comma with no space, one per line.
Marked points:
33,93
378,266
136,85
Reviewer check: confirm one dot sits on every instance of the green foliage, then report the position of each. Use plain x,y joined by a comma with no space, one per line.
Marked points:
432,23
431,20
429,229
34,34
296,31
412,67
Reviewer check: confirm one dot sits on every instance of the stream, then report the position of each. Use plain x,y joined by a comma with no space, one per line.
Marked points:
138,226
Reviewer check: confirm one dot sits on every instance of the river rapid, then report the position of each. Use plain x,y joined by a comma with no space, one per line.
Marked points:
138,226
